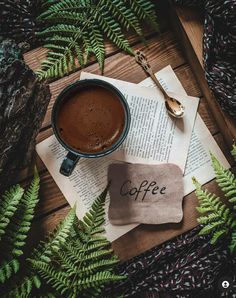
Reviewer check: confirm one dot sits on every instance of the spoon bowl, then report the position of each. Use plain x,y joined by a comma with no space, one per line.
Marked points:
174,107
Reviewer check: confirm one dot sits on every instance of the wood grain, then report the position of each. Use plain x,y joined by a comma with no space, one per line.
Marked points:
123,67
188,26
51,197
162,50
141,238
169,54
35,57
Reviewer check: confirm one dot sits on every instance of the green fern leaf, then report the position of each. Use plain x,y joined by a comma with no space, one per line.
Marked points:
97,278
218,234
145,10
232,245
113,31
101,264
14,240
219,219
43,253
85,23
8,206
124,14
46,249
58,279
97,44
225,179
233,152
71,266
211,227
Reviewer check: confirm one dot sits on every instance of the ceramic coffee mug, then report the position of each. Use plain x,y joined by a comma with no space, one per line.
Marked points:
74,155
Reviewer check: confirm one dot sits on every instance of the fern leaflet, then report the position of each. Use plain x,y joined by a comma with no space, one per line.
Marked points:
80,26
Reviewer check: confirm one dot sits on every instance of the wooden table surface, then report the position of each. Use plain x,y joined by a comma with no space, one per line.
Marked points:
163,49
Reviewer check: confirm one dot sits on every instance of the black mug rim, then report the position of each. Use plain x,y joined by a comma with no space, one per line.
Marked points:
87,82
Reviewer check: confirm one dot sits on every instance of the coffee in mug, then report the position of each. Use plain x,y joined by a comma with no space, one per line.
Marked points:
91,119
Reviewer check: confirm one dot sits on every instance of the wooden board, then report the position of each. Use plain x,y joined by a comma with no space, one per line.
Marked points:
162,50
188,25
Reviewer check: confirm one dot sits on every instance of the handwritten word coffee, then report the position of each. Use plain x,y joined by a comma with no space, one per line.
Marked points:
139,192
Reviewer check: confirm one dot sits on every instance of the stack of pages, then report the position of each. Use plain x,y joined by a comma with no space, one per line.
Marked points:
154,138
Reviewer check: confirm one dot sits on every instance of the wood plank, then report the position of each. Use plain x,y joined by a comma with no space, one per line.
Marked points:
193,26
188,26
186,77
51,197
163,44
141,238
123,67
203,111
35,57
183,72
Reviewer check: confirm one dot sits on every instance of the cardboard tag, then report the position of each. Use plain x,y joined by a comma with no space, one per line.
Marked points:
149,194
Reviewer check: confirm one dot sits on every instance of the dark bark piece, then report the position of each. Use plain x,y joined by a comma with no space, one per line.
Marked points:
18,20
23,104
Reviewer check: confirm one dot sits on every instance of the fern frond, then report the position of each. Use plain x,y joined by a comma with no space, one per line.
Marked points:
17,230
19,226
232,245
57,66
66,6
8,206
113,31
97,45
233,152
69,265
53,243
58,279
145,10
225,179
43,253
219,219
86,22
97,279
106,264
60,29
218,235
68,262
124,14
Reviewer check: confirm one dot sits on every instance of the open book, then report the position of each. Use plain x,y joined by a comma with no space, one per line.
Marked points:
177,144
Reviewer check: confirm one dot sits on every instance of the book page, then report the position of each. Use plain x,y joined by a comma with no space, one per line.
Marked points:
87,181
202,142
154,136
90,175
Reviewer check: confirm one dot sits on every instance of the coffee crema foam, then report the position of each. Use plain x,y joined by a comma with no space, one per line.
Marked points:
91,120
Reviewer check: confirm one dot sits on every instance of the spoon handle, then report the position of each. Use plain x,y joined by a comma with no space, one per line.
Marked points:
142,60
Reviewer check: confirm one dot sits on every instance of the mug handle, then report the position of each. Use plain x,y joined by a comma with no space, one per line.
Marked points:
69,164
